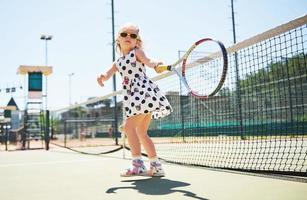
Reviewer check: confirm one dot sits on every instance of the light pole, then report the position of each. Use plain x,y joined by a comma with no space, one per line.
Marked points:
114,76
69,86
46,38
47,122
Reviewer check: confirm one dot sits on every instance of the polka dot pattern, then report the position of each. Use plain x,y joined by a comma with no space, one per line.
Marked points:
141,95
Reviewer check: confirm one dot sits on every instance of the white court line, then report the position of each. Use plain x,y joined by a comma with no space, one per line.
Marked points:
46,163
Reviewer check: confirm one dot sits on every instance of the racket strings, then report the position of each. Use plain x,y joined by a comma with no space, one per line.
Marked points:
202,75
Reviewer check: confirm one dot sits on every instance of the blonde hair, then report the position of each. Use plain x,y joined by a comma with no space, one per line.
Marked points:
139,42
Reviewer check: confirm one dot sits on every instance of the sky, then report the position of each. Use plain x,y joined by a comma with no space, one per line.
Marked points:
82,37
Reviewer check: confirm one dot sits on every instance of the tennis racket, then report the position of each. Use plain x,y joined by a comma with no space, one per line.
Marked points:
203,68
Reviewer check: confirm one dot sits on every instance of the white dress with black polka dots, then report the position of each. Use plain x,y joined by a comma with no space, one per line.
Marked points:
140,94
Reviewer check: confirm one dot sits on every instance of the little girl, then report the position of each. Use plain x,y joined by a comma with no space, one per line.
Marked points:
142,100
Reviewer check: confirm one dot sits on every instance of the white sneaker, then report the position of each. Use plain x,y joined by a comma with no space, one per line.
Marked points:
138,169
156,169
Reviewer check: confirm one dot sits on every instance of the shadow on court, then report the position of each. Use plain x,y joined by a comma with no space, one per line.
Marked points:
156,186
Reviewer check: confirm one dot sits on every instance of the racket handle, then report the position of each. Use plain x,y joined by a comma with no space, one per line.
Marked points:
162,68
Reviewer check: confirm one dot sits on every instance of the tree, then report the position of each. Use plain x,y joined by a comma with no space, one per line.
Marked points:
78,112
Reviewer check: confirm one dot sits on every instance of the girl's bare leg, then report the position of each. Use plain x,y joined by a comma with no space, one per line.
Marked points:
145,140
131,132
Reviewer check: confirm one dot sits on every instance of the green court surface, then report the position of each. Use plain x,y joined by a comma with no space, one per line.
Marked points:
62,175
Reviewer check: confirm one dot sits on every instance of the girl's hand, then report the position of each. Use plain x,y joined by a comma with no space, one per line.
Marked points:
159,69
101,79
159,63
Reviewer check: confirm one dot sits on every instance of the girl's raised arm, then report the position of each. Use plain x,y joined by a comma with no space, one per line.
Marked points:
140,55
